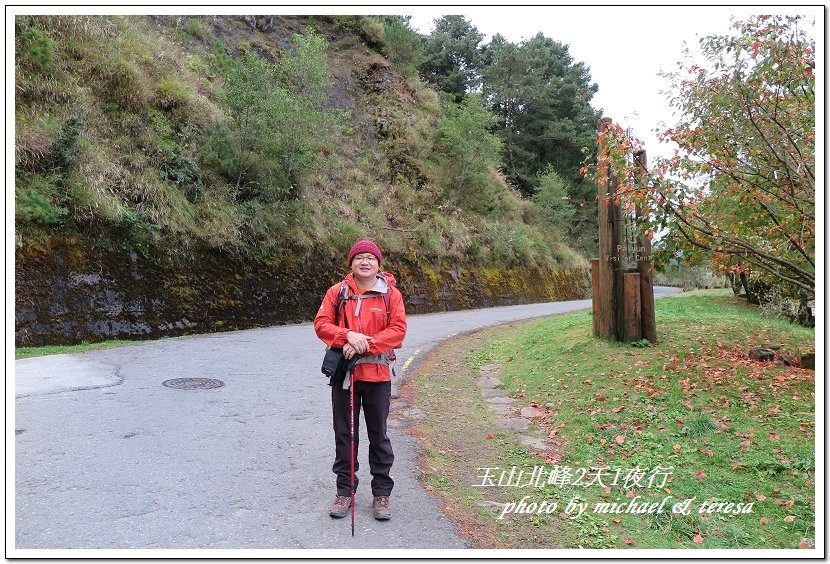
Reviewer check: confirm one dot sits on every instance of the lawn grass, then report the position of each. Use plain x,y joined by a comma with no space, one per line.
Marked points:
693,410
28,352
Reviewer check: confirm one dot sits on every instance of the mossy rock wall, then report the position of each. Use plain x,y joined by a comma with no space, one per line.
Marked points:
67,293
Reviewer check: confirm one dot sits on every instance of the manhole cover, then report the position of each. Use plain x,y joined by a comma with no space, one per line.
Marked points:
193,383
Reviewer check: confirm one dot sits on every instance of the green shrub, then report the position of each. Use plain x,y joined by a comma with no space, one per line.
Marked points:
120,81
32,49
174,165
467,150
552,200
284,120
171,93
196,28
163,204
689,276
34,200
402,45
369,28
63,150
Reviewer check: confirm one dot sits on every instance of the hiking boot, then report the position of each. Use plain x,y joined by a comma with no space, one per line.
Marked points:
341,506
381,506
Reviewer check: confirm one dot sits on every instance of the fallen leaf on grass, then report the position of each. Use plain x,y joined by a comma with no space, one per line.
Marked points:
628,540
760,497
616,520
491,436
805,543
700,474
763,520
789,518
709,452
697,539
773,436
620,439
676,447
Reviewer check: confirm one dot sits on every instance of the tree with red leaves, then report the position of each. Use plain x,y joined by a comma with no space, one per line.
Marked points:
740,190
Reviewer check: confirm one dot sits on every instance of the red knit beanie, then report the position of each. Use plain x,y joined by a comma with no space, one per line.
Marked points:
365,246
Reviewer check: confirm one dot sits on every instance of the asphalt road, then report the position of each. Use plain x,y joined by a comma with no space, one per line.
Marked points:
106,457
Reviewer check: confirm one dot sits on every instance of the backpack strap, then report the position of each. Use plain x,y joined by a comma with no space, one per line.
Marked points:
341,301
385,359
344,295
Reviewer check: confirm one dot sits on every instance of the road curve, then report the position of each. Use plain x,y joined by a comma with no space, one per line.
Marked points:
107,457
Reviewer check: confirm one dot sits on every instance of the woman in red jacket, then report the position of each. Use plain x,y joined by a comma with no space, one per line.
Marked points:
364,315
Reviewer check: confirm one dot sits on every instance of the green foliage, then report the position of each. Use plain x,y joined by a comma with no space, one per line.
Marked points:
403,46
250,94
451,56
689,276
698,425
175,167
278,115
34,199
63,151
552,200
171,93
32,49
216,152
369,28
196,28
467,151
543,99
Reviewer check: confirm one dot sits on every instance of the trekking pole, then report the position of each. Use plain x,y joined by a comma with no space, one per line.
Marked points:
351,440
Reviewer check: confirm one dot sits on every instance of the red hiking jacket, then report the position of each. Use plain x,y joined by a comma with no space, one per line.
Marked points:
366,315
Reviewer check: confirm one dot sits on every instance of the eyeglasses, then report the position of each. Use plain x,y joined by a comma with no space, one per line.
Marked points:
367,258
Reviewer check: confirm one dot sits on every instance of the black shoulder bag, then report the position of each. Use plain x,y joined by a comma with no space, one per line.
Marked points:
335,366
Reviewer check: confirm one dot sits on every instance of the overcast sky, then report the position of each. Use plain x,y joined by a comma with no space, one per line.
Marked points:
625,47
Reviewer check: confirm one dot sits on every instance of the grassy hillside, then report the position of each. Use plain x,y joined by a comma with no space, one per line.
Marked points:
289,137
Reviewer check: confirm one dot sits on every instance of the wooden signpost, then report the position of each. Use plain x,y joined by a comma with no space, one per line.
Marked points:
622,277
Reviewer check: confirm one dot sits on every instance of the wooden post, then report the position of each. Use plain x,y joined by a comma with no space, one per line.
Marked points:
604,314
618,282
631,309
595,294
644,267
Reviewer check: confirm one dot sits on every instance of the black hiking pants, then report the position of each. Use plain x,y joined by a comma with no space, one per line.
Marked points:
374,398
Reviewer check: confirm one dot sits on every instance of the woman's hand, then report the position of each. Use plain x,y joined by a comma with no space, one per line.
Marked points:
358,341
348,351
